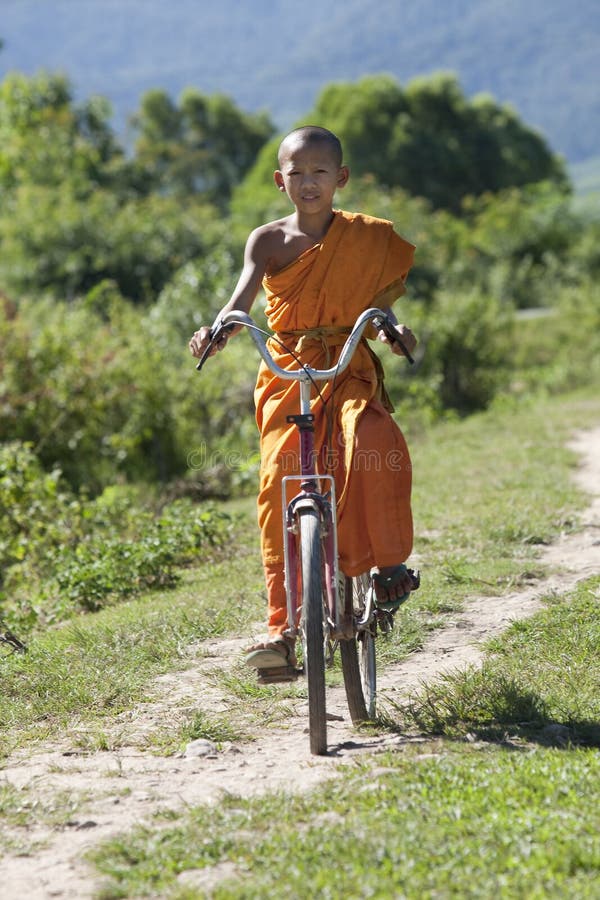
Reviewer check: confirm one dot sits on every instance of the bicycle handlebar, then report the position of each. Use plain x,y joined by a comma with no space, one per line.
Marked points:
237,317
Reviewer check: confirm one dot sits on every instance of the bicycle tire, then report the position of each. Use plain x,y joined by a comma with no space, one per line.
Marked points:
358,660
312,628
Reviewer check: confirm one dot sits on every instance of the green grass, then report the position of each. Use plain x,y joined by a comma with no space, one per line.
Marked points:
87,671
500,794
424,824
489,493
511,818
543,672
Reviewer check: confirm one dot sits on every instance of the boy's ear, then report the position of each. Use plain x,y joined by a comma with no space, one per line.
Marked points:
278,179
343,176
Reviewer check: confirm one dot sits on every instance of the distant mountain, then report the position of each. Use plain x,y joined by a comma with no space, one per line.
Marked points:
541,56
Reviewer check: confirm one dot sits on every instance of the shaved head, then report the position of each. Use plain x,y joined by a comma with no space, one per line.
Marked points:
311,134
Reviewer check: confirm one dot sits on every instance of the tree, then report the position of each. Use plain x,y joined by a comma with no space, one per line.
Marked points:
46,140
428,139
433,141
53,242
74,210
204,145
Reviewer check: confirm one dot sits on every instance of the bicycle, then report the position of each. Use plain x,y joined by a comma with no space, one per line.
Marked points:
324,610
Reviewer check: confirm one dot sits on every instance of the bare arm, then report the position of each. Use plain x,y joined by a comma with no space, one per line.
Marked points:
244,293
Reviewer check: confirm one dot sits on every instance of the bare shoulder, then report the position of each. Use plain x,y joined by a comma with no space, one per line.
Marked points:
267,242
271,233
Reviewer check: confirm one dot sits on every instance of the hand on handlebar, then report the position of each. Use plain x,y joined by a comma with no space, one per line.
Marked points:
400,338
206,341
405,339
201,341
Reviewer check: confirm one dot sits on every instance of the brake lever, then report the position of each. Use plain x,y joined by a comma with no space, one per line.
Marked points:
384,324
213,337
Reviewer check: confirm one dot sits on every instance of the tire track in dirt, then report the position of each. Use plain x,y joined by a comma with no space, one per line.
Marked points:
126,786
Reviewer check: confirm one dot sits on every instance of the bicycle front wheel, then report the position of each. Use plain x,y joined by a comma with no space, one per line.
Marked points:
358,657
312,627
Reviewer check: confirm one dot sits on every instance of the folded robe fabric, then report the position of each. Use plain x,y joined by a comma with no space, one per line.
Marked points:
311,305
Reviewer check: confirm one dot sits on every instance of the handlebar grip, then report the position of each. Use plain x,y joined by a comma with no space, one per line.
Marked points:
215,333
390,332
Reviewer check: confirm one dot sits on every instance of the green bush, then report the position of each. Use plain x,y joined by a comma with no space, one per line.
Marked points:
561,350
104,567
32,505
54,242
463,356
61,553
108,392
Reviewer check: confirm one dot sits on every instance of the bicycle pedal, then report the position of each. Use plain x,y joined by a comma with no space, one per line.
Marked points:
277,674
385,621
415,577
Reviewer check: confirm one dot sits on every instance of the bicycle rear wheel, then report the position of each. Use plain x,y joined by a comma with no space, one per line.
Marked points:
358,658
312,627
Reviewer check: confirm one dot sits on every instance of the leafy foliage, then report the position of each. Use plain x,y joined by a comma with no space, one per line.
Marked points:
205,145
467,344
428,139
46,140
76,212
110,392
61,553
55,243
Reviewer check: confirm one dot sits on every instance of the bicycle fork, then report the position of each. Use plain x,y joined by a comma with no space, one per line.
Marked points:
324,504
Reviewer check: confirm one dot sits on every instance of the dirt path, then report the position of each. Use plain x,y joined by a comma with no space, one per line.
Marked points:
126,786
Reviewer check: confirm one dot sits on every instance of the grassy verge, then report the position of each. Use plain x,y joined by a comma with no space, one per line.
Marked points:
512,819
540,681
474,824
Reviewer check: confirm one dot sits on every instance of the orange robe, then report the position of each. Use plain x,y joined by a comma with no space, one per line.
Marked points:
324,290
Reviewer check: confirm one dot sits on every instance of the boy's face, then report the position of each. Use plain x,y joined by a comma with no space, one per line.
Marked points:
309,174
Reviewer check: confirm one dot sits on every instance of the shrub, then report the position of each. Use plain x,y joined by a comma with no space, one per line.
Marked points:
463,356
61,553
32,504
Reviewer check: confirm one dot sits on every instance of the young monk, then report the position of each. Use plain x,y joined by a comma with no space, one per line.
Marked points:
320,268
